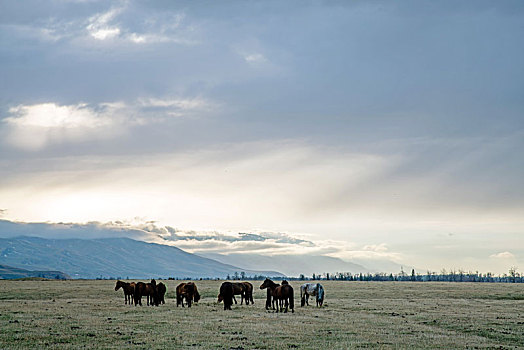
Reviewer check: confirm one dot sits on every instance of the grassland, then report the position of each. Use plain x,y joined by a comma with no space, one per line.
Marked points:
78,314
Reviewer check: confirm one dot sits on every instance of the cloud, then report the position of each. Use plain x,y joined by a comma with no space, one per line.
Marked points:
127,24
502,255
255,58
33,127
186,104
99,26
378,248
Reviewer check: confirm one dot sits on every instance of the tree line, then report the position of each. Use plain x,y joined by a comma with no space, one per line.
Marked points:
513,276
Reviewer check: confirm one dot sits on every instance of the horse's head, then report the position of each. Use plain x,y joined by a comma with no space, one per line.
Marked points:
267,283
220,298
284,282
118,285
196,296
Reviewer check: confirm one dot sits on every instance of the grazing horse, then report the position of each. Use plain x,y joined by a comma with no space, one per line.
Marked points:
188,291
148,290
244,289
283,294
226,294
161,292
313,289
129,290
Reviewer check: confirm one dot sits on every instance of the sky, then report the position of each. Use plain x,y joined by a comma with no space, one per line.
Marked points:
391,130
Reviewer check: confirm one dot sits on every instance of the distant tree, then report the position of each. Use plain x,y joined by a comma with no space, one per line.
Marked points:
243,275
313,277
228,277
302,277
235,276
513,274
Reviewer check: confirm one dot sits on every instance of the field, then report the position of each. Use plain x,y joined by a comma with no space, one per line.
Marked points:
75,314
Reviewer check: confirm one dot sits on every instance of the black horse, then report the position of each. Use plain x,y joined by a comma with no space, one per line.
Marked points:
226,293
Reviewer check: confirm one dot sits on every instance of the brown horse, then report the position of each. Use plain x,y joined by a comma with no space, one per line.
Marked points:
226,294
148,290
248,293
239,288
161,292
283,294
188,291
129,290
270,300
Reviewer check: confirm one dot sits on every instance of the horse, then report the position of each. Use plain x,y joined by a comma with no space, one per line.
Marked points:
270,300
148,290
244,289
129,290
226,294
238,289
248,293
313,289
283,294
161,292
188,291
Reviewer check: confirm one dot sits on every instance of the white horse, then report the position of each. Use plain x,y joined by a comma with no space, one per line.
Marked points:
313,289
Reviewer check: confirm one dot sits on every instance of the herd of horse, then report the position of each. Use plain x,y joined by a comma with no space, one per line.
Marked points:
280,297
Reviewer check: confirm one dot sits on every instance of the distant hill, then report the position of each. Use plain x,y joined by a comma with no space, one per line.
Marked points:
292,265
9,272
112,257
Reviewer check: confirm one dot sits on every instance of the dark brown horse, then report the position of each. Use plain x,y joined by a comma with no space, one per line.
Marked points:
248,293
270,300
283,294
188,291
148,290
226,294
239,288
129,290
161,292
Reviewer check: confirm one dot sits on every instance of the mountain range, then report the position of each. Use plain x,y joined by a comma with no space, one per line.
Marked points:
109,251
291,265
113,257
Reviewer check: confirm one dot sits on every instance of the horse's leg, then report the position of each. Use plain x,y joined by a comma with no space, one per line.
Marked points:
286,302
307,299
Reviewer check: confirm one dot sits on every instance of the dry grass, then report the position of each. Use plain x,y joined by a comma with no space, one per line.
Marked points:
74,314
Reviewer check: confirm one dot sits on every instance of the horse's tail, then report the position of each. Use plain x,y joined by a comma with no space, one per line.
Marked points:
302,296
291,301
136,294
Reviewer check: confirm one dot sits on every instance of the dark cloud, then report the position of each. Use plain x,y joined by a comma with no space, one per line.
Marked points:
279,238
